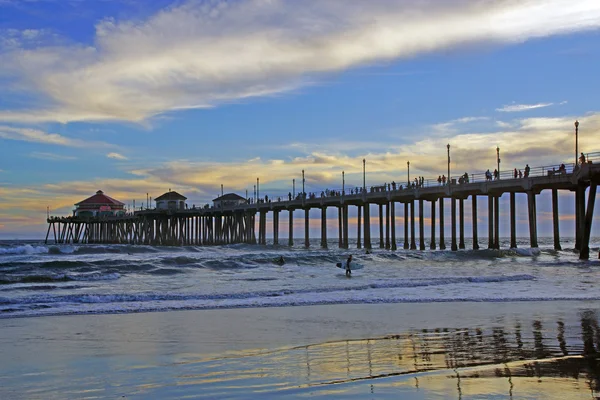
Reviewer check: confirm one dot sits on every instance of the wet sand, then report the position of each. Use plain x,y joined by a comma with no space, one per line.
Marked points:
545,350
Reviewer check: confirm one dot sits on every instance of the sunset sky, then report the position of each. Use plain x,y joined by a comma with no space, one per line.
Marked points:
135,97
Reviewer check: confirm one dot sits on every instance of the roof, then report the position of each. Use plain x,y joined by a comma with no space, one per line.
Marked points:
229,196
101,199
170,195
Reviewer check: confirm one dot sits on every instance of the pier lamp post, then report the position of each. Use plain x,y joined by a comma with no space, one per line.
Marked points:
254,193
294,188
221,190
408,167
257,190
498,160
576,142
343,182
147,201
364,175
448,147
303,192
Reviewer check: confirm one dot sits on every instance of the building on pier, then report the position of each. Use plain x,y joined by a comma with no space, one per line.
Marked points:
99,205
229,200
170,201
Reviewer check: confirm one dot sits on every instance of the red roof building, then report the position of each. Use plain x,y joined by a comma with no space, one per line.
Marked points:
99,205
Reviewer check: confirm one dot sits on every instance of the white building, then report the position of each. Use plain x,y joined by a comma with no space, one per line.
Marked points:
228,200
170,201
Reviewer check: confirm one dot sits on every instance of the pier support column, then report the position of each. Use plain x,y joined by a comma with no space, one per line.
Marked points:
442,244
432,243
367,226
453,245
474,214
497,222
387,225
306,228
584,254
406,226
324,227
275,228
358,222
532,219
413,245
345,220
291,228
513,221
490,222
461,224
579,215
555,219
421,226
393,224
340,228
381,238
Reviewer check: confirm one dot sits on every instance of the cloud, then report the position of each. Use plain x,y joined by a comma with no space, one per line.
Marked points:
51,156
116,156
201,54
523,107
38,136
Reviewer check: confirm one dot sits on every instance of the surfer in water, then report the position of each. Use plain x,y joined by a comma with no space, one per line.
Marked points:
348,270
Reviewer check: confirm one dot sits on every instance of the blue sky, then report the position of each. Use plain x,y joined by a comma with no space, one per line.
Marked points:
136,97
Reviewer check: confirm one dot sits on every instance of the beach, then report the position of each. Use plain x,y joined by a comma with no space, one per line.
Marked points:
454,350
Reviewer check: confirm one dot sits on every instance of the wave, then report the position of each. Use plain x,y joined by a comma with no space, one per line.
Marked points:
145,297
24,249
96,276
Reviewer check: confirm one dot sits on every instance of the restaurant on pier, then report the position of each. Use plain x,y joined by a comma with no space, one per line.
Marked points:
99,205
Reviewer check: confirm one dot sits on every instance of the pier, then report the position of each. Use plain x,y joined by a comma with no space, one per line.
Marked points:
238,224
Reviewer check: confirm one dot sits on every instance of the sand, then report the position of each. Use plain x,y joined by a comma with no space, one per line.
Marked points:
413,351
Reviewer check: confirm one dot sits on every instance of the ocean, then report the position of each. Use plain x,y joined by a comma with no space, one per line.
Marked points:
41,280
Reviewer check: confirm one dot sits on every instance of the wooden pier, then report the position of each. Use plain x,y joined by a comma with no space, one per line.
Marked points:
215,226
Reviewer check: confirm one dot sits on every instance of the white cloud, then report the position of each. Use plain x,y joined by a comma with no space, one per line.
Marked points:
51,156
523,107
116,156
201,54
38,136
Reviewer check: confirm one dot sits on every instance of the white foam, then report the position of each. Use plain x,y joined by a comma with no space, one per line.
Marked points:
24,249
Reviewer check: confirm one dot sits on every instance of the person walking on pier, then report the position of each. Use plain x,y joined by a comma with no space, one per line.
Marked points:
581,159
516,173
527,169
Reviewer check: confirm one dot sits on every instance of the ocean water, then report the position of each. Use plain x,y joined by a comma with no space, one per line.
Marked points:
39,280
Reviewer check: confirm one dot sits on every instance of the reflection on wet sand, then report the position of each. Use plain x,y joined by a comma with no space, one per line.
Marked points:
541,360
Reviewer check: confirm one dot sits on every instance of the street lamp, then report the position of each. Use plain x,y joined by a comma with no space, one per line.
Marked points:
408,166
498,159
254,193
257,190
221,190
303,192
448,147
364,176
294,188
576,142
343,182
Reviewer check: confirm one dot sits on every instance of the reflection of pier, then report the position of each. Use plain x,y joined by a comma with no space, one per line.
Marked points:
474,358
237,224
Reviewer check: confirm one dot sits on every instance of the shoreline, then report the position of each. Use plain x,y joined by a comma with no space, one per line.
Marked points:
200,351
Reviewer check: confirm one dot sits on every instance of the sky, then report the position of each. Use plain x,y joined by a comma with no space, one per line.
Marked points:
134,97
